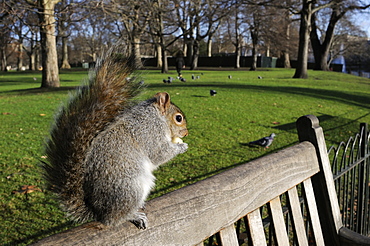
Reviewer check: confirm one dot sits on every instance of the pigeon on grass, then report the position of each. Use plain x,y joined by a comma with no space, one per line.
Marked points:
264,142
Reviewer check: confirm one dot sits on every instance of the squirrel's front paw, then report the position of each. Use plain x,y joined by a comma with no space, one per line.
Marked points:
183,147
140,221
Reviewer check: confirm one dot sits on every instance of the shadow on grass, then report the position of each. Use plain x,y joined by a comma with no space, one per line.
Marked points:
334,95
327,122
39,90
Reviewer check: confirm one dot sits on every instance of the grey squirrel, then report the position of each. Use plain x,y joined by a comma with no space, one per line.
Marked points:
104,146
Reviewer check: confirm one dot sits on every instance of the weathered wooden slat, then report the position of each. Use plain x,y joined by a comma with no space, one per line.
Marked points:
228,236
297,217
256,228
315,220
197,211
278,220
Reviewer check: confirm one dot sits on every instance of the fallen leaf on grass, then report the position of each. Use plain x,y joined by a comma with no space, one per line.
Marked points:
25,189
42,114
276,123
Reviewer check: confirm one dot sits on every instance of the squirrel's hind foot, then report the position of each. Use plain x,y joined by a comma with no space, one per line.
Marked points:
140,221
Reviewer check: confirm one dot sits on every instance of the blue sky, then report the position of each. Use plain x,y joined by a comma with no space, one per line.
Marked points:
363,19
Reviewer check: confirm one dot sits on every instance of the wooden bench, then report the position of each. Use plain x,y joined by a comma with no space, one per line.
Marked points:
296,181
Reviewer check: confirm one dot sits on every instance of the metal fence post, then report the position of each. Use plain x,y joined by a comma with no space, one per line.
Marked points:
363,183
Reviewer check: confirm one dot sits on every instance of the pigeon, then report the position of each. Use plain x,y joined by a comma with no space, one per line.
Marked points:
230,77
182,79
212,92
265,141
259,77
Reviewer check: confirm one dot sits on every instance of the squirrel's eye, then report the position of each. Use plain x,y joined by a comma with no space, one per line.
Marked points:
178,118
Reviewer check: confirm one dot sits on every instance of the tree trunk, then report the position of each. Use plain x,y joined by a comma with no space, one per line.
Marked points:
137,53
209,46
286,59
194,60
237,55
50,71
304,37
189,50
164,60
254,36
32,54
159,55
267,50
254,60
65,59
286,55
31,64
318,48
3,60
321,50
20,55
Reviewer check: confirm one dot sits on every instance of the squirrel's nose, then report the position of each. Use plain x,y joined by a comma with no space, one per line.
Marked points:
184,132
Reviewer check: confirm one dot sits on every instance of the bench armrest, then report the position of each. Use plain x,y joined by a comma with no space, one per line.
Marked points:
351,238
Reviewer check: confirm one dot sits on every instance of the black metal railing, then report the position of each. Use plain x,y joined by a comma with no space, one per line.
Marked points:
351,170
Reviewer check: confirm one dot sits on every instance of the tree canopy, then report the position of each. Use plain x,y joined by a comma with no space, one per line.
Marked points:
60,33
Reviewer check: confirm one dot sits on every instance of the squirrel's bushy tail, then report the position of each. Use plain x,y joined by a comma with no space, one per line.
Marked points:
88,112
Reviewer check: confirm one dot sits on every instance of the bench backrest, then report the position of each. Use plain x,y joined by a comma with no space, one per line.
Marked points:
192,214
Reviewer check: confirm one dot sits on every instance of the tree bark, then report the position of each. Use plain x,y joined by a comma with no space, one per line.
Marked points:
136,51
20,55
209,46
304,37
63,27
3,60
237,57
286,55
32,53
164,60
321,50
50,70
189,50
254,35
159,55
65,58
32,61
194,60
286,59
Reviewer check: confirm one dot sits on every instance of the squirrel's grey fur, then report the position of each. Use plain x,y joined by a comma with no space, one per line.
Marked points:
103,146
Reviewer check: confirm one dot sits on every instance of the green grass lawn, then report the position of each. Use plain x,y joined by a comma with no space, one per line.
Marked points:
244,109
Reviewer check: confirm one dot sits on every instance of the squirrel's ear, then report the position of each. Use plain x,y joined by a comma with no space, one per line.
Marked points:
163,101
